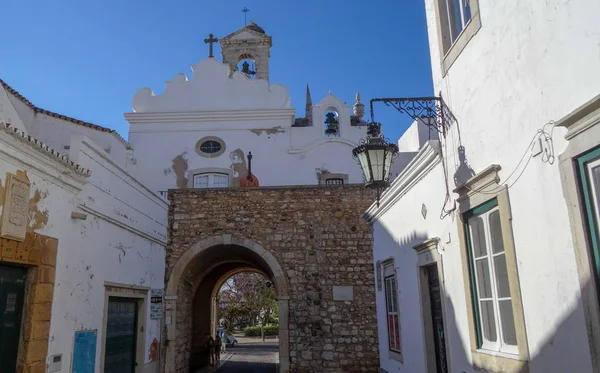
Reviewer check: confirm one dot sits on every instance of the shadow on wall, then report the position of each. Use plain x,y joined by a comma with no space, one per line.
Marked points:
550,357
564,349
464,171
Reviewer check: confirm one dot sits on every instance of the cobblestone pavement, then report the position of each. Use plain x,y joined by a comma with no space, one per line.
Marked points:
251,355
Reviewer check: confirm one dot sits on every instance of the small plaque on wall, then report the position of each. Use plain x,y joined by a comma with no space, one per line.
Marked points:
15,213
156,303
344,293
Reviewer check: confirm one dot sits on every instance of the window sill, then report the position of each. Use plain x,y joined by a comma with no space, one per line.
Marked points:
461,42
493,361
395,355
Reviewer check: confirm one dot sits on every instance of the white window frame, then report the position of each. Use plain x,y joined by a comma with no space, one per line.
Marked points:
451,47
464,22
499,345
211,179
595,197
392,306
473,194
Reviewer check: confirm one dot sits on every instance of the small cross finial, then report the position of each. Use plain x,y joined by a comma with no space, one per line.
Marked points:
245,10
211,39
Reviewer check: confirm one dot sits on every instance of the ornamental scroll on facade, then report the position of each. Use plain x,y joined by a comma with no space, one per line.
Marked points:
15,212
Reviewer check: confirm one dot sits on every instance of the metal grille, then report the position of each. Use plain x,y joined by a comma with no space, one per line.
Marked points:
334,181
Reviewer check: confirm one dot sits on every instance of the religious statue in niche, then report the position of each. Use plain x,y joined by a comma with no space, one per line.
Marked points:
242,171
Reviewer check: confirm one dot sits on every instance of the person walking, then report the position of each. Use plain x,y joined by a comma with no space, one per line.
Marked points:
218,345
211,350
223,341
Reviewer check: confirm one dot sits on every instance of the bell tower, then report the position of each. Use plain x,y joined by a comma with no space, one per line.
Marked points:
248,50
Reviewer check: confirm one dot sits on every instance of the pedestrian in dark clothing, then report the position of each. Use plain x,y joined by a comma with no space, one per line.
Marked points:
211,349
218,345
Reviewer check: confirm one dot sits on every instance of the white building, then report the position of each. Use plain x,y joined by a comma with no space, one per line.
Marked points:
487,242
84,213
201,131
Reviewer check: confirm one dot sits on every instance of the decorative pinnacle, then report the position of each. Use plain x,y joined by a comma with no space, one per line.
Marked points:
359,108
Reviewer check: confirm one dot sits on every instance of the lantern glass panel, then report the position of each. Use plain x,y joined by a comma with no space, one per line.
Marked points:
376,157
388,164
364,165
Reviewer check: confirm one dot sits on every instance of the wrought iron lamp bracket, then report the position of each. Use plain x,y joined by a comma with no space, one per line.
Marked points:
433,111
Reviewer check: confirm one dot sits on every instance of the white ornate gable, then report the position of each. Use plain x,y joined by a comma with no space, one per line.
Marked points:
212,88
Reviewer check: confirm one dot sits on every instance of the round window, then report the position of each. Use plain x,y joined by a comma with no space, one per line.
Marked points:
210,147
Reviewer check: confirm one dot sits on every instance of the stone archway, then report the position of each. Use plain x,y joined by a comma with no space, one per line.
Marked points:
190,292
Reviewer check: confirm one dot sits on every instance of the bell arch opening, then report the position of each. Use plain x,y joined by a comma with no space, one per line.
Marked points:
193,287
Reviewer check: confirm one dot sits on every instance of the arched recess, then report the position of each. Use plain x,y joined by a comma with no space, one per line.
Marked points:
190,309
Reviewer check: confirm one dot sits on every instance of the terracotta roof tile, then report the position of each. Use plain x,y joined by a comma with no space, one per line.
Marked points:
38,110
44,148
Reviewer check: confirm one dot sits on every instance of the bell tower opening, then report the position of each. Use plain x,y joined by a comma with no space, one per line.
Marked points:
248,50
247,65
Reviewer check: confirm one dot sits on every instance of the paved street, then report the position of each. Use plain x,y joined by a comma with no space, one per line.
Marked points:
251,355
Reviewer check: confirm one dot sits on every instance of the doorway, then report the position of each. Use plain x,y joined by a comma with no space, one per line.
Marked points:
437,318
121,339
12,290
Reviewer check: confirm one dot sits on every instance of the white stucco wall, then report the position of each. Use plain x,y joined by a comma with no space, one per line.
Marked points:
530,63
395,234
246,114
121,240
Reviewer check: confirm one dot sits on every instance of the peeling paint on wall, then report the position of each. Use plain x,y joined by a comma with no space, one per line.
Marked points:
38,217
268,131
154,350
180,167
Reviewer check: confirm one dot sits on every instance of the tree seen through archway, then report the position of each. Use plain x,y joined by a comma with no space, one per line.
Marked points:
248,302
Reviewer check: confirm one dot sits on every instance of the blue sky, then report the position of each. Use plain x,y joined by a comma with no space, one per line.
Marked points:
86,59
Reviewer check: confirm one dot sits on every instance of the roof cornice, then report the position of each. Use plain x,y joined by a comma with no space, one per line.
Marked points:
38,110
46,160
212,116
425,160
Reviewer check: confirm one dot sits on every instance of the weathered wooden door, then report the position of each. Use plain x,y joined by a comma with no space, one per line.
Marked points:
12,289
119,353
437,316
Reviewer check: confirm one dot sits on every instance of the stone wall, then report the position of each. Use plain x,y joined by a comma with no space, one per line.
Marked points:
320,240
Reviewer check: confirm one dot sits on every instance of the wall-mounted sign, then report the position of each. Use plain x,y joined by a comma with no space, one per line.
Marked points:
15,215
84,351
156,303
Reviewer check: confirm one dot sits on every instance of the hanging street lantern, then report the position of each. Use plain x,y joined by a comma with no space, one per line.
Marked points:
375,156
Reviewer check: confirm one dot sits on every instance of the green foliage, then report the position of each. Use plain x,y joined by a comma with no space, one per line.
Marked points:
254,331
245,299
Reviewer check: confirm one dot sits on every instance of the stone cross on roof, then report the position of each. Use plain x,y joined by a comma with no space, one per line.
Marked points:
211,39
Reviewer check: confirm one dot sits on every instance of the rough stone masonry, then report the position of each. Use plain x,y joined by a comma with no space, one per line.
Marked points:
324,246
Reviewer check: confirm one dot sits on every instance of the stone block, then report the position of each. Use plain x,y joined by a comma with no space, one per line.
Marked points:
35,351
41,311
41,293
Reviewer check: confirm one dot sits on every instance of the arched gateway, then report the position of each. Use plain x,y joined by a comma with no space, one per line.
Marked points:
313,245
197,275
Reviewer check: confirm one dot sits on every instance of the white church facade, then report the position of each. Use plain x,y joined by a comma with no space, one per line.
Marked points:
486,243
84,211
207,126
